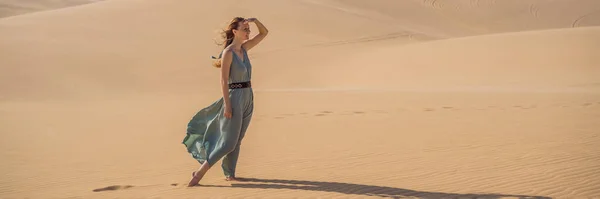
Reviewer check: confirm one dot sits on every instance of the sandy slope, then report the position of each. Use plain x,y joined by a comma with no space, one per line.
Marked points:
428,99
18,7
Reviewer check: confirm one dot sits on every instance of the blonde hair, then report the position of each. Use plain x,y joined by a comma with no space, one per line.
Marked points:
227,36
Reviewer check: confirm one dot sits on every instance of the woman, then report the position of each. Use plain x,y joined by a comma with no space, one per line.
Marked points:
216,131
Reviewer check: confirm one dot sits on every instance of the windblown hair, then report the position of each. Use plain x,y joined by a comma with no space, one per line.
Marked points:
227,36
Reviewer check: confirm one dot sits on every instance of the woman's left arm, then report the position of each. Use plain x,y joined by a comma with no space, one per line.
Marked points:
262,33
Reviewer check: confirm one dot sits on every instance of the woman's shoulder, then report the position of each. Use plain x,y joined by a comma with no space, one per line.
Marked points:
226,51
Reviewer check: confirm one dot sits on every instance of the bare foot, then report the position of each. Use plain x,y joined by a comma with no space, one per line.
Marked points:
195,179
197,175
234,179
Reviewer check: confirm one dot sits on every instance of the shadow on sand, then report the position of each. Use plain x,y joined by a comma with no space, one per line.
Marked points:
358,189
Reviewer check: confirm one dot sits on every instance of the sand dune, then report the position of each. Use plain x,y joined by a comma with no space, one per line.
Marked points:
555,60
18,7
415,98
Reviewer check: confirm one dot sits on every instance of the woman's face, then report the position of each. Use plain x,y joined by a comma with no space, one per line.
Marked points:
243,30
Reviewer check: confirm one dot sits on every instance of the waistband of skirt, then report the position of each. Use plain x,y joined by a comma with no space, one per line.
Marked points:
240,85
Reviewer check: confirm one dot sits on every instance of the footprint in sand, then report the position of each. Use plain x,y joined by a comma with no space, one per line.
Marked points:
123,187
323,113
284,116
353,113
113,188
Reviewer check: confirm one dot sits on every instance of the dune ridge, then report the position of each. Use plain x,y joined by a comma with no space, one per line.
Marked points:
358,99
10,8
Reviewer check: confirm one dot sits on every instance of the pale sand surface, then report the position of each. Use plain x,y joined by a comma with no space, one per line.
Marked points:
10,8
421,99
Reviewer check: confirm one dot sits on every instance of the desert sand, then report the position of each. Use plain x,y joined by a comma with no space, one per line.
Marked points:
354,99
10,8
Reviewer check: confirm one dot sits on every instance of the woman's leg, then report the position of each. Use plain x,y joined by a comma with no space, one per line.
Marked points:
197,175
230,132
230,160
